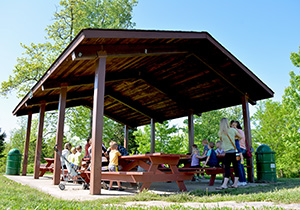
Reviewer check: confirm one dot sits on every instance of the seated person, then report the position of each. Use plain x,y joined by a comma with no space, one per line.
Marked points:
219,150
65,153
211,155
114,163
78,157
71,158
195,163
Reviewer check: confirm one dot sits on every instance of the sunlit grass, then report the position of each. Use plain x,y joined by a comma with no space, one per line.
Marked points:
17,196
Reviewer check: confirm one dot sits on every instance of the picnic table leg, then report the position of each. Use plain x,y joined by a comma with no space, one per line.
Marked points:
145,186
212,180
43,171
181,186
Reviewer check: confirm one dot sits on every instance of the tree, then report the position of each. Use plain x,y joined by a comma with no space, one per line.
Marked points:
167,139
206,126
277,124
70,17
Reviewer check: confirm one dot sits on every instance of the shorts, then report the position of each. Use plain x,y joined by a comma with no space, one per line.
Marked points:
113,168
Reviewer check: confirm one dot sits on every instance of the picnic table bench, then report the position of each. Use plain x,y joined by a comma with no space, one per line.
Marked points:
48,167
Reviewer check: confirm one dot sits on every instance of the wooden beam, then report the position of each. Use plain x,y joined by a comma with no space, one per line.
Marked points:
110,115
247,128
55,98
134,105
126,130
88,80
91,52
38,148
223,77
60,134
152,136
180,100
97,133
26,146
191,130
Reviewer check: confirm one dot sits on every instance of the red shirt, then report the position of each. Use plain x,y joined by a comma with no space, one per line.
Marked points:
86,148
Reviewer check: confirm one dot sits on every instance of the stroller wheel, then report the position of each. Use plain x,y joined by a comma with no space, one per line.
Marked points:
85,186
61,186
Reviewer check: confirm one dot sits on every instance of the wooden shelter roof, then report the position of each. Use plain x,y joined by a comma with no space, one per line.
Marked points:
149,74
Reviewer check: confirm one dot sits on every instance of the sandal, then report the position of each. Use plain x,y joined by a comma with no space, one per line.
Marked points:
233,186
221,188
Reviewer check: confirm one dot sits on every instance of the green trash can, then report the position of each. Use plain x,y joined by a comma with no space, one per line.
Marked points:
265,162
13,163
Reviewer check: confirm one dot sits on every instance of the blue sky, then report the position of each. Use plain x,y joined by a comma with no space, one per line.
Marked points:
261,34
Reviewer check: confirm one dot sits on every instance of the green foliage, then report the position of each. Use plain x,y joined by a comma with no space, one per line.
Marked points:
295,58
170,139
70,17
166,139
29,69
277,124
207,125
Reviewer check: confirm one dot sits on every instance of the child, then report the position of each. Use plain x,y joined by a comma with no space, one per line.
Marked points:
195,163
205,149
78,156
211,159
233,124
66,152
114,162
72,155
219,150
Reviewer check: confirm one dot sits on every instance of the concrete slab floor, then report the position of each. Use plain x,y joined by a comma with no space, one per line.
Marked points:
75,192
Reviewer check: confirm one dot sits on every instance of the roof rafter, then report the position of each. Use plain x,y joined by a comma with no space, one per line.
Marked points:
133,104
227,80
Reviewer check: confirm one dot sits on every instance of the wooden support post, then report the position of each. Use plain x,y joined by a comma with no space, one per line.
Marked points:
152,135
247,128
60,133
97,132
191,131
126,136
38,148
26,146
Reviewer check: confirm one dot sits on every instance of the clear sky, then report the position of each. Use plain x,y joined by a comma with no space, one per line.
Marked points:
261,34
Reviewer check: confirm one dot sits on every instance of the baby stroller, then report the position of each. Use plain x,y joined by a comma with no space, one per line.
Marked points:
72,175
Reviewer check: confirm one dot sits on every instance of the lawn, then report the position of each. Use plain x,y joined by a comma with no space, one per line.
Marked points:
17,196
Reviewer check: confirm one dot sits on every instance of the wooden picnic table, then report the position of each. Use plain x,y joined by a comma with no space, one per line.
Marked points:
47,167
152,163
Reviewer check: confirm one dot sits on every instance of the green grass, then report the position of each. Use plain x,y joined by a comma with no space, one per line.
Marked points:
17,196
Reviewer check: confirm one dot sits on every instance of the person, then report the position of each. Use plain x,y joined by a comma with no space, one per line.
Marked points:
71,158
237,141
211,155
72,155
227,136
219,150
114,163
86,148
65,153
78,157
220,153
242,144
205,149
195,163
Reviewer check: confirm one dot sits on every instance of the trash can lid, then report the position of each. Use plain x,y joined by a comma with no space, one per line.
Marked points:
264,149
13,152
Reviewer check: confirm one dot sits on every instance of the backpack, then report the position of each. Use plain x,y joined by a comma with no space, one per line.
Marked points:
122,150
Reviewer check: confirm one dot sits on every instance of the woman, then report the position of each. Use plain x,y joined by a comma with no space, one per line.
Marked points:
226,134
242,148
